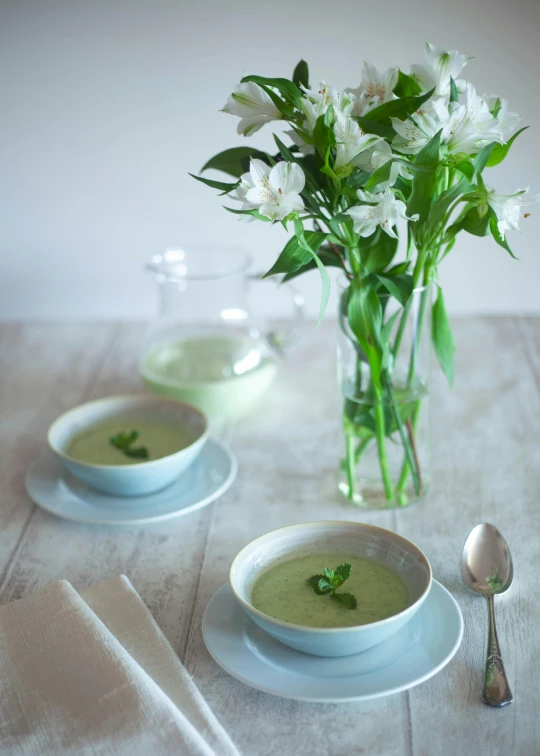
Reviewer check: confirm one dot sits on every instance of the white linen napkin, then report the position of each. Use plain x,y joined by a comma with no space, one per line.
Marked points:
92,674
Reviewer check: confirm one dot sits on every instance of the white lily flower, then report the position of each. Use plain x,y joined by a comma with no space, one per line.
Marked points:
507,208
351,140
317,101
253,105
275,192
506,119
439,66
378,156
374,89
384,211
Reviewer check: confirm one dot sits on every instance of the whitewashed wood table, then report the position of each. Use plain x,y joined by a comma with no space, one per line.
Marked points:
487,468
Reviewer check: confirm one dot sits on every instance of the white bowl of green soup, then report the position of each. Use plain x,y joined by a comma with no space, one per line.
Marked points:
330,588
129,445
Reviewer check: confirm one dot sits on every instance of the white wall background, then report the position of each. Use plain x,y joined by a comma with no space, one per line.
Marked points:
106,104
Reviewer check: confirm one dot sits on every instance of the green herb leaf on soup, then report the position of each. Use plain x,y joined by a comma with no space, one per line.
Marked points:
124,441
330,580
345,599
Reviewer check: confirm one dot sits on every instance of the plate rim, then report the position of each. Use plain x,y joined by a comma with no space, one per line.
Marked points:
345,699
225,485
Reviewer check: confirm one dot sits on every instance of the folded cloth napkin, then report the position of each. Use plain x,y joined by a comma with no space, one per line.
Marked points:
91,673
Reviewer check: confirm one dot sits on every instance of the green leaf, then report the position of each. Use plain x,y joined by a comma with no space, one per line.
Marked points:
472,222
140,453
285,87
301,75
320,584
235,161
406,86
372,127
443,340
225,188
284,151
344,570
377,251
398,269
328,574
326,255
480,161
399,108
323,135
454,94
294,256
255,213
499,238
345,599
447,198
500,151
364,313
325,278
380,175
400,286
422,184
123,442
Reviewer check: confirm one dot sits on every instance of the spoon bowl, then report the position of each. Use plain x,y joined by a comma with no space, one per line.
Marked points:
486,568
486,563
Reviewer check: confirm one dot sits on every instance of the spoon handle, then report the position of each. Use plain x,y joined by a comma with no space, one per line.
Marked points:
496,688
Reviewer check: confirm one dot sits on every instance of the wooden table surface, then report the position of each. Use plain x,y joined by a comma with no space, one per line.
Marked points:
486,468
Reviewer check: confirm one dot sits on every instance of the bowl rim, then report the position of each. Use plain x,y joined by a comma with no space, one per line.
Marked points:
330,630
116,397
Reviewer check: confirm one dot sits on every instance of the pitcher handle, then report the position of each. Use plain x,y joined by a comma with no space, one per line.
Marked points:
283,339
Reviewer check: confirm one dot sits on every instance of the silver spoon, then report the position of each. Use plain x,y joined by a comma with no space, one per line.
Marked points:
486,568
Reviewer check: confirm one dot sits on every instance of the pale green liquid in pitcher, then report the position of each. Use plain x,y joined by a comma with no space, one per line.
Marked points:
222,376
282,591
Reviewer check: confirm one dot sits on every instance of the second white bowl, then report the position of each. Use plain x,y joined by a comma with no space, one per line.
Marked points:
143,477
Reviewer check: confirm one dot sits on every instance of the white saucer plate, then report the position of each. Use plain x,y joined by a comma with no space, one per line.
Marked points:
57,491
414,654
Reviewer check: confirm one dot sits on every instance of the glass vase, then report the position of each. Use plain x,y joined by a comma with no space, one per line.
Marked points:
386,462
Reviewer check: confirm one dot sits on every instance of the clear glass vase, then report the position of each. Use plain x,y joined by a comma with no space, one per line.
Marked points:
387,442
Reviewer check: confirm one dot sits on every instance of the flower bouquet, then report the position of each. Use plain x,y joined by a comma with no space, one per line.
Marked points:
403,155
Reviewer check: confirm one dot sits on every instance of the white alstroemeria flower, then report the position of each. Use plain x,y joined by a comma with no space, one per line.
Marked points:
305,149
374,89
485,126
506,119
376,158
316,102
275,192
507,208
253,105
384,211
412,136
350,140
439,66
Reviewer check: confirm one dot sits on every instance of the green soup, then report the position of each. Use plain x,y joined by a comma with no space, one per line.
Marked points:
93,446
282,591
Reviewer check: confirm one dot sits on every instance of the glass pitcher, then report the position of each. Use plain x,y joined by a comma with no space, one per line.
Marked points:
207,346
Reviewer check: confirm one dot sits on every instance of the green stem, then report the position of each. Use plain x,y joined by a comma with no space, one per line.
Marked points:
406,467
380,430
350,457
360,449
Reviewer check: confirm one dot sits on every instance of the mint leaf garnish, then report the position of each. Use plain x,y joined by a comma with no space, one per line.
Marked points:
123,442
332,579
346,599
